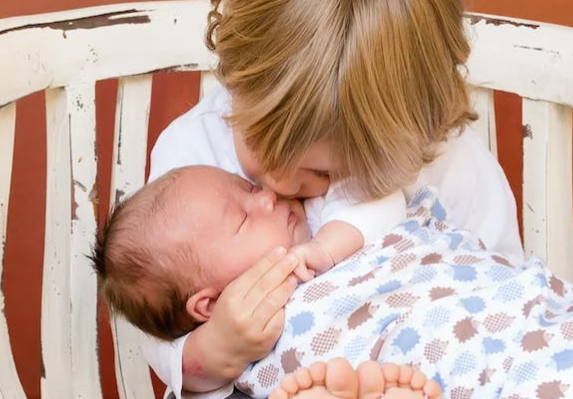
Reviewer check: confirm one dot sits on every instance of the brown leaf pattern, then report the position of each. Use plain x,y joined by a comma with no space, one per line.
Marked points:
268,376
401,261
391,239
421,211
361,315
552,390
402,318
498,322
375,352
567,330
557,286
318,291
361,279
435,350
501,260
431,259
465,329
529,305
485,376
462,393
324,342
535,340
290,360
440,226
441,292
404,245
467,260
507,363
401,299
549,315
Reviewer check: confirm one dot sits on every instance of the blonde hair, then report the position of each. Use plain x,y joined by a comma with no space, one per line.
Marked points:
380,78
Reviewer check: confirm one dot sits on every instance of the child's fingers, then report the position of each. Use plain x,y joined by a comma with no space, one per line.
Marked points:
274,328
274,302
269,282
244,283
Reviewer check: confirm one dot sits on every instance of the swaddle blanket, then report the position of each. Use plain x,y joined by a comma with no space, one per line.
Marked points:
432,296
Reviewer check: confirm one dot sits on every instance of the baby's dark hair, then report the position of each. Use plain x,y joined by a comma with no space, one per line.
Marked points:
135,274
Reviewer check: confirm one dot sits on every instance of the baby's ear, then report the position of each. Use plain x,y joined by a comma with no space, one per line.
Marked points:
200,305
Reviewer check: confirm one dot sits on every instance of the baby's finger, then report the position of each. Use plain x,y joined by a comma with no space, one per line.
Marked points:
270,281
273,303
245,282
303,273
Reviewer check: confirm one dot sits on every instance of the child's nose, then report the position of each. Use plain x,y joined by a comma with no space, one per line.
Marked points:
265,200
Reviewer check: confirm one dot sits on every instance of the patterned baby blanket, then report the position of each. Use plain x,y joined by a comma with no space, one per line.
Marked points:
433,296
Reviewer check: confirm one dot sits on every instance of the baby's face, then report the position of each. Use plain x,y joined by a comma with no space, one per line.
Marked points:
234,224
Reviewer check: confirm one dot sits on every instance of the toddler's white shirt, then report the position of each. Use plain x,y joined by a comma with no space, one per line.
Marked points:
470,183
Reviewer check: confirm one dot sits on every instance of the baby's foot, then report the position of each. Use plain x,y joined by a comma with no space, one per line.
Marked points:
335,380
395,382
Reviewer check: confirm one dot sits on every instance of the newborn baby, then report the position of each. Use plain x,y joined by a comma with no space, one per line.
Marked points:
169,251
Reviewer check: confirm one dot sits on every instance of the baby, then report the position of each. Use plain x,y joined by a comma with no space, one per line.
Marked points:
426,294
169,251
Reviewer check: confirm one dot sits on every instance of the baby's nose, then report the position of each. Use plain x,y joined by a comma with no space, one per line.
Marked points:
266,200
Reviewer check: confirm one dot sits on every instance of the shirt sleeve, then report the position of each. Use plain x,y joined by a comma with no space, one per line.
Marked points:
166,360
372,218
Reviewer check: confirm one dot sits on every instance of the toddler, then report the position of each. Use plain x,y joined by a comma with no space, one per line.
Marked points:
328,98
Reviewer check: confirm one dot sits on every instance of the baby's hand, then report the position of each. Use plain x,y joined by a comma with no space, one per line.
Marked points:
313,260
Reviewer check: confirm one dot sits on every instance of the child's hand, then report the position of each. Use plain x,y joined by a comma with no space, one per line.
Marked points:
313,260
248,317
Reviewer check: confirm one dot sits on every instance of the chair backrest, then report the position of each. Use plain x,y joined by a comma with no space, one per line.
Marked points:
534,61
64,54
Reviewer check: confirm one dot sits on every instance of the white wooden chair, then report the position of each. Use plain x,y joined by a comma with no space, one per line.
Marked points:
65,53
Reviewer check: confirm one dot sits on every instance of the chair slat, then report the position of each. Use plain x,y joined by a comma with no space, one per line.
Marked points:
56,319
485,126
128,175
559,186
531,59
208,82
85,370
547,180
10,386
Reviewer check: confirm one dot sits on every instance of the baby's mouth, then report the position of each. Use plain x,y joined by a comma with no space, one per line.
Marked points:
292,218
